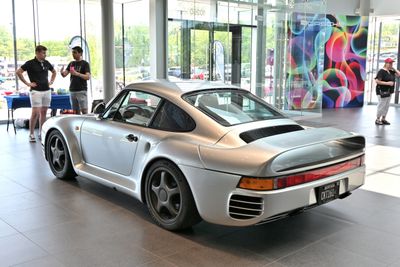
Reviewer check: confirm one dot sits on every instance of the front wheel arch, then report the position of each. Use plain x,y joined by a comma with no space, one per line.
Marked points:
58,155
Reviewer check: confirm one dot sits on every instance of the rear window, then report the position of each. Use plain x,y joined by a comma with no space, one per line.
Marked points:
231,107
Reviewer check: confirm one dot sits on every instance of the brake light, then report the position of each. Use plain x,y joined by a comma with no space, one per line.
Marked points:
253,183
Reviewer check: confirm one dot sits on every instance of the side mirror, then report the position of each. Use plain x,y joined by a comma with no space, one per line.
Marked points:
99,108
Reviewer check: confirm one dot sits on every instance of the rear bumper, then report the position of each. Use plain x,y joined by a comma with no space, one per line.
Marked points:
216,193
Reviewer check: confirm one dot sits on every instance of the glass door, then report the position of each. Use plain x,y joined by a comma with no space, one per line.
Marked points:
384,43
209,51
199,56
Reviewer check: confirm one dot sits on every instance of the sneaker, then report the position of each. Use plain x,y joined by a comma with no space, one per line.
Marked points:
32,138
378,122
385,122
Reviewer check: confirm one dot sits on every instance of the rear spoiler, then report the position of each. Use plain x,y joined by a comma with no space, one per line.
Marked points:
285,153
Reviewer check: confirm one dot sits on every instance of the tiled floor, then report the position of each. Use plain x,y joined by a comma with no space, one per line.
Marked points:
48,222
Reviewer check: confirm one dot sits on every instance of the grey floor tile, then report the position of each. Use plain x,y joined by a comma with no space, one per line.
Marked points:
387,221
6,229
159,263
156,240
368,242
38,217
16,249
71,235
48,261
275,264
395,208
322,254
107,255
217,255
203,232
354,209
317,224
395,264
21,201
87,206
273,240
8,188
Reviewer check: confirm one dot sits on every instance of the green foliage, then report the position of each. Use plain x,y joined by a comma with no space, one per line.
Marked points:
57,48
6,46
25,49
95,55
137,46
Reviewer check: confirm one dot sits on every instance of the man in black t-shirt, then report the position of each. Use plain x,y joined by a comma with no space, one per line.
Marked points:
40,94
80,74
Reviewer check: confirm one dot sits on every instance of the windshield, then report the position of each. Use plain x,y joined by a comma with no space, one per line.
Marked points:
231,107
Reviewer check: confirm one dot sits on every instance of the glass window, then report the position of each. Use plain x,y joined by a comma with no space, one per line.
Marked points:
111,110
7,82
58,41
92,33
133,48
133,107
232,107
172,118
25,38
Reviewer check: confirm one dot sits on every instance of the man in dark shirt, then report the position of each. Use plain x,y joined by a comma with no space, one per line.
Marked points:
40,94
80,74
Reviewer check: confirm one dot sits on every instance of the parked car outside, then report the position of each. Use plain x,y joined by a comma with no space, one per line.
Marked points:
175,71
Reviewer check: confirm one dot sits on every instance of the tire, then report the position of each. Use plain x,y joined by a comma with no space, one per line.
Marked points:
58,156
169,198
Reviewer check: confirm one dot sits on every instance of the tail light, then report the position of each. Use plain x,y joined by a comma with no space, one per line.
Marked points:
263,184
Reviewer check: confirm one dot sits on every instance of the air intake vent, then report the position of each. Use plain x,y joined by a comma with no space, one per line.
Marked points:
245,207
253,135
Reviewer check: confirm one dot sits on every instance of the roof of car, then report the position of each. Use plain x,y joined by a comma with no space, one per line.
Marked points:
165,87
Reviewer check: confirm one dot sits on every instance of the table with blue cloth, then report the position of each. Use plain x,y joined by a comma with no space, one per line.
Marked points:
16,101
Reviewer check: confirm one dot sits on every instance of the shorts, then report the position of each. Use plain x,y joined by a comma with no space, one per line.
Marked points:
40,98
79,100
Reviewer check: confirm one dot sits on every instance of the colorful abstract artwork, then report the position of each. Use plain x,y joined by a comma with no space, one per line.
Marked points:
344,62
306,50
327,58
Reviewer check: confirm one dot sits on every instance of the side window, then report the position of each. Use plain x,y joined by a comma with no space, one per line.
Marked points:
138,108
112,112
172,118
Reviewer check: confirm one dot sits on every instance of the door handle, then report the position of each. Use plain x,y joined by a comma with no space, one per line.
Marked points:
132,138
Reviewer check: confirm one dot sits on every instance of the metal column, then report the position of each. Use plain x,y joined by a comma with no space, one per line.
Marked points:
158,37
260,58
107,26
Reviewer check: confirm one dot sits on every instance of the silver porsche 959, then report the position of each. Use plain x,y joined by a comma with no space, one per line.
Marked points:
216,153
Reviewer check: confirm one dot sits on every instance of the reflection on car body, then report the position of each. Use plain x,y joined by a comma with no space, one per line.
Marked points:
201,151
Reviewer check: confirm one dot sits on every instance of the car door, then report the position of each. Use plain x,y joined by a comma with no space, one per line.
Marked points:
110,142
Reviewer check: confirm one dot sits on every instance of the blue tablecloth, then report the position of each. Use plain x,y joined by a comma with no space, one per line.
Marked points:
57,102
16,101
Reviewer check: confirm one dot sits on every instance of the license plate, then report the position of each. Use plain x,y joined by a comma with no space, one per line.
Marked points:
328,192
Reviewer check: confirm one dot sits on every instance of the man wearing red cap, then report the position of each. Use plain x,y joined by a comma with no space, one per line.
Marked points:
385,79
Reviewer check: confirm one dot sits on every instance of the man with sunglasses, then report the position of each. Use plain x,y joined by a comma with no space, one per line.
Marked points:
80,74
39,84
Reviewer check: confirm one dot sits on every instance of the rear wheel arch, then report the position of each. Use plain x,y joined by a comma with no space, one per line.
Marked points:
175,210
144,174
